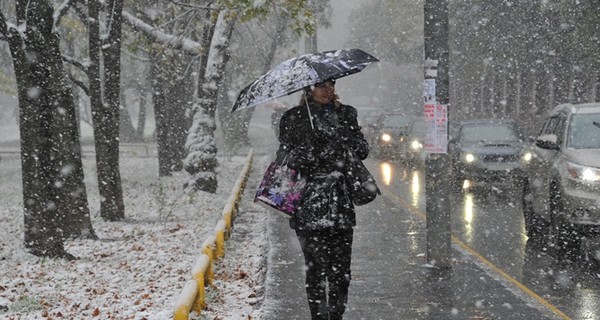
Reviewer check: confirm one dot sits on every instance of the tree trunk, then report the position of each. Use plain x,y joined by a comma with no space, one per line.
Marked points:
201,160
141,124
54,195
172,95
127,132
106,112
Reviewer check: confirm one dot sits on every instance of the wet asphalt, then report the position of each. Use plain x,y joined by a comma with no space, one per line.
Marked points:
390,277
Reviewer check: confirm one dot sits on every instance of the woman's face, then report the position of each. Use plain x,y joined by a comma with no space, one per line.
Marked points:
324,92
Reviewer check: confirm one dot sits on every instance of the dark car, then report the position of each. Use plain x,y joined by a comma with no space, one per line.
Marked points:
389,134
367,118
488,151
564,179
412,153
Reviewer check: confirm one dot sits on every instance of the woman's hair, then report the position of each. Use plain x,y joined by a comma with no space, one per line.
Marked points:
307,95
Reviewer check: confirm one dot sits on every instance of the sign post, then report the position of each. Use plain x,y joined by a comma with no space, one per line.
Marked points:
435,109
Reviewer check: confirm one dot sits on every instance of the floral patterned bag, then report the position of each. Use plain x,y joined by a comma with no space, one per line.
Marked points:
281,189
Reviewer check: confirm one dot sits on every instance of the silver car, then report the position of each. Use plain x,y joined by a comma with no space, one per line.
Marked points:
562,202
488,151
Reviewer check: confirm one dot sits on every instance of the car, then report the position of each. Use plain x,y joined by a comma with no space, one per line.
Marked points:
412,153
389,134
488,151
366,119
562,202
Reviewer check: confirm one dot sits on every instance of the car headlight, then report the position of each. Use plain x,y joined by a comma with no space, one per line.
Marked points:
416,145
469,157
584,173
526,156
386,137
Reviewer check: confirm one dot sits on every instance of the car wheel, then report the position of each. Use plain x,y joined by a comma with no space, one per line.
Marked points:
563,237
535,226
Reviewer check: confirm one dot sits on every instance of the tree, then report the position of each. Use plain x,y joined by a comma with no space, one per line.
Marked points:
172,66
105,105
203,156
54,194
536,53
201,160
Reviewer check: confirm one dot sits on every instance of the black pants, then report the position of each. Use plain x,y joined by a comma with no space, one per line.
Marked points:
327,255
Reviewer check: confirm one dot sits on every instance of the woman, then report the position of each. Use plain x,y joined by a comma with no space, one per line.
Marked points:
317,140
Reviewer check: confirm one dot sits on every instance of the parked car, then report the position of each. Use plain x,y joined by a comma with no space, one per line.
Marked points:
563,191
488,151
389,133
411,152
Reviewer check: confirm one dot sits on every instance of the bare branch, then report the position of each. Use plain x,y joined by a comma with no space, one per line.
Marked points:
209,7
75,63
80,84
133,56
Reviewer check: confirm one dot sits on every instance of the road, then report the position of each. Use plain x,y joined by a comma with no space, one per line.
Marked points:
489,222
390,280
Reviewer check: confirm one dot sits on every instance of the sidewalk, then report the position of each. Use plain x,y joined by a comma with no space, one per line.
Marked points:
389,276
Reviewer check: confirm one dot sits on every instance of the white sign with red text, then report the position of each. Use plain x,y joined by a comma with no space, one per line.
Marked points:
436,121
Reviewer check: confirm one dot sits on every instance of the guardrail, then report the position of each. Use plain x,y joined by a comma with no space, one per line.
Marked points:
192,296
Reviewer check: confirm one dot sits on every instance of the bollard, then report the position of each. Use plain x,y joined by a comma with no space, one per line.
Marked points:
437,198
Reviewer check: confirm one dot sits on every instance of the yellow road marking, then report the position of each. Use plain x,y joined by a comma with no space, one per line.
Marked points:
474,253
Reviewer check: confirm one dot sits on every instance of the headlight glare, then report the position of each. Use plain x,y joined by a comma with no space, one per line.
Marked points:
386,137
416,145
527,156
469,157
584,173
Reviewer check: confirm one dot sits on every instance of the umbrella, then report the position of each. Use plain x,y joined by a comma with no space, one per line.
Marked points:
297,73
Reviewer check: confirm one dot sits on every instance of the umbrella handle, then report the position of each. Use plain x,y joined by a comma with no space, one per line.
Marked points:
309,114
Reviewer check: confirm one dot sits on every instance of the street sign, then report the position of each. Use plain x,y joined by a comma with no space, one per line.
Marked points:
436,124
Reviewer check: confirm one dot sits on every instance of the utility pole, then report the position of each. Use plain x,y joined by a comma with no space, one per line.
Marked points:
437,164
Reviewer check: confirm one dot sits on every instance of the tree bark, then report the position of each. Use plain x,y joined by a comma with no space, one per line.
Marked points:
105,109
172,95
54,195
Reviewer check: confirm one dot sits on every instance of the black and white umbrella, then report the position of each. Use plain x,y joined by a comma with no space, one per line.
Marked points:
297,73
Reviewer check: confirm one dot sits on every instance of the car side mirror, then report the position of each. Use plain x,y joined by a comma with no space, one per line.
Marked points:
547,141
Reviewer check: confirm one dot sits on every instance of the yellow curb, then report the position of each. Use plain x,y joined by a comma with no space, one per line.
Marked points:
198,274
208,248
185,301
220,236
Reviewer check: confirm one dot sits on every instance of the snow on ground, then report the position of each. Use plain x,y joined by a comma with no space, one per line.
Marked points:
139,266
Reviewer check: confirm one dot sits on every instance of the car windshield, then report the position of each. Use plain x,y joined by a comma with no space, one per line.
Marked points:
396,121
488,132
584,131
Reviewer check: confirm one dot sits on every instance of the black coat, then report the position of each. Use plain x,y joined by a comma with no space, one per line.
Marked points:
321,154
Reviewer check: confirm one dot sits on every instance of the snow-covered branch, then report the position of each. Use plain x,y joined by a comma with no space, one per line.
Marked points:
175,42
61,11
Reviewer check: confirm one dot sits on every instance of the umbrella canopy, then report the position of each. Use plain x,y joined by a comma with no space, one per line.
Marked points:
297,73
